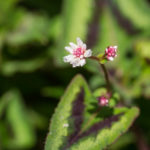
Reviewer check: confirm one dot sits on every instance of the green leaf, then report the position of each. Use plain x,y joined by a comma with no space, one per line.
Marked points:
52,91
102,58
137,11
58,133
76,16
3,105
107,136
123,141
17,117
142,47
55,27
78,120
6,7
11,67
29,30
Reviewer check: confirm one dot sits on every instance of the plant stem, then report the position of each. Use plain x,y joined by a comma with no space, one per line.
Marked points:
94,58
106,75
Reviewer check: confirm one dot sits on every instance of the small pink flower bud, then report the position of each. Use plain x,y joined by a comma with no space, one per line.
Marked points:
111,52
102,101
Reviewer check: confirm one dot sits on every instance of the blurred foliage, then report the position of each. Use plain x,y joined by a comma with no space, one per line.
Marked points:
17,119
33,76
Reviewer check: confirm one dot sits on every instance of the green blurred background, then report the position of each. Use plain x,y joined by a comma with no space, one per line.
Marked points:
33,76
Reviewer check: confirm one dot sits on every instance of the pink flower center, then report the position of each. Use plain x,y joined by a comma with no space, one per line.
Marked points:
111,52
78,52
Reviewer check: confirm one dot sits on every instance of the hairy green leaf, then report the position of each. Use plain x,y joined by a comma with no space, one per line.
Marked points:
78,121
107,136
62,118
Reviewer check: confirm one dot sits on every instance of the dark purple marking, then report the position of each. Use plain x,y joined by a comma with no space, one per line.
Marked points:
77,117
100,125
77,113
95,128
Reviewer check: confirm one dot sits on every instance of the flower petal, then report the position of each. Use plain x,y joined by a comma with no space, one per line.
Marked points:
75,62
110,58
115,47
68,58
74,46
69,49
79,42
88,53
84,46
82,62
106,50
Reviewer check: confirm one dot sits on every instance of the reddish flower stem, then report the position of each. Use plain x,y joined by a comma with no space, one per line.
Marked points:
106,75
94,58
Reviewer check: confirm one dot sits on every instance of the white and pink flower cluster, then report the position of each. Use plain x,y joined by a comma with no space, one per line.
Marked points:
78,53
111,52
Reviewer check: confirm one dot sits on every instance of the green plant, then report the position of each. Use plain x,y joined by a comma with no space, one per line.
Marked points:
79,121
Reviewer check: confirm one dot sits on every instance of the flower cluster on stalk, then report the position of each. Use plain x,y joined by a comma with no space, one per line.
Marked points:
77,58
79,53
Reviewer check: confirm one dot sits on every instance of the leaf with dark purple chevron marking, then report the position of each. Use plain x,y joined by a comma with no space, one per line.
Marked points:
74,124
